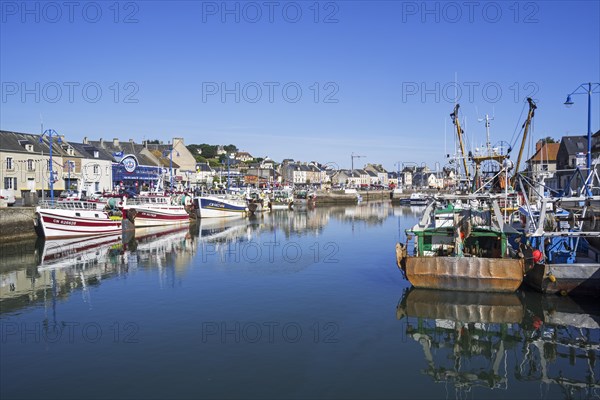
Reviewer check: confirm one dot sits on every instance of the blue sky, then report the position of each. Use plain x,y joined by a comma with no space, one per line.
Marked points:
376,78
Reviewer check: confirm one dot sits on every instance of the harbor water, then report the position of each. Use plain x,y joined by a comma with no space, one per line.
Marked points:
290,304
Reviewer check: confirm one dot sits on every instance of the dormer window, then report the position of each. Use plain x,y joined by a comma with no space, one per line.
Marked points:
70,151
26,145
96,154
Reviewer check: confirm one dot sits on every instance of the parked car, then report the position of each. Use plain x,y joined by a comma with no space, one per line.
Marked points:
8,196
96,195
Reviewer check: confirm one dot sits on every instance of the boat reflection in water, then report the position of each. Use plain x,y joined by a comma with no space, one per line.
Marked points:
469,340
65,266
155,244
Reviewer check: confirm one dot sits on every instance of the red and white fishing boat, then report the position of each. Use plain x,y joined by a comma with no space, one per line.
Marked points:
75,218
157,210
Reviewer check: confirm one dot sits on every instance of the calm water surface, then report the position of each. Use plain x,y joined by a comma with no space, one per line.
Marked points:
303,304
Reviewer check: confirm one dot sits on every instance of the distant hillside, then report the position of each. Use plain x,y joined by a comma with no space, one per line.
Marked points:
208,152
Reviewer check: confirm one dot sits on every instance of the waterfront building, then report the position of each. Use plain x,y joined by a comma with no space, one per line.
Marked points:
75,166
572,153
26,163
382,174
544,162
392,179
94,173
243,156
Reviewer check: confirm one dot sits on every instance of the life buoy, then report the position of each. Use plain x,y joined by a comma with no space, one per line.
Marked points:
131,214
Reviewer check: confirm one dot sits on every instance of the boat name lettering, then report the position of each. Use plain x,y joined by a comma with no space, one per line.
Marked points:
63,222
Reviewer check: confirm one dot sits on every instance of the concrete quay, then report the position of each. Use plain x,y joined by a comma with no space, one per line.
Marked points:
16,223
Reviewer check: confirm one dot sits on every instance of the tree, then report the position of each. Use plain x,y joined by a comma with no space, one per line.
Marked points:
208,151
230,148
548,139
193,148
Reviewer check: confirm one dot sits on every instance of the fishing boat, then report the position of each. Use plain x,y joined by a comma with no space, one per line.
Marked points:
281,200
462,243
303,197
257,201
54,219
219,204
158,210
415,199
564,260
562,232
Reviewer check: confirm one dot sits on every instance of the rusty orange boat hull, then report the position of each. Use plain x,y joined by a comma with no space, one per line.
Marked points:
474,274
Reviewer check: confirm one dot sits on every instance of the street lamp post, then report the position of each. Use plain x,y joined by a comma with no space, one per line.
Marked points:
582,89
228,158
171,166
398,164
50,133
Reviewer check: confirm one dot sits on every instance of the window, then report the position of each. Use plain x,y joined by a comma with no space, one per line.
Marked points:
96,169
10,183
9,163
96,154
30,165
48,164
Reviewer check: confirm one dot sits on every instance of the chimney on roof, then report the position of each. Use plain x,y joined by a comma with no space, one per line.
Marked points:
85,140
130,140
116,142
101,142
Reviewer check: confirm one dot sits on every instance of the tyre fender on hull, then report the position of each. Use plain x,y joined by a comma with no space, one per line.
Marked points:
131,214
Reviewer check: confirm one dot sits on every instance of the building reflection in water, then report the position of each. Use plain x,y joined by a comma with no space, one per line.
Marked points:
33,270
469,338
59,267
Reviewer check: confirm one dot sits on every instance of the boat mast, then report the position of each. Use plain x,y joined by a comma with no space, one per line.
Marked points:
526,126
459,133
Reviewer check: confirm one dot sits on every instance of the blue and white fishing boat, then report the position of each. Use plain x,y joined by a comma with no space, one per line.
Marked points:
220,204
560,241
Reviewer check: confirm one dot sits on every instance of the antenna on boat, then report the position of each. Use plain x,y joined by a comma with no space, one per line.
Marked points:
455,88
488,144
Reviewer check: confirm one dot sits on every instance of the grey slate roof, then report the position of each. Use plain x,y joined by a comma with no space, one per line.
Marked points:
87,151
203,167
575,144
126,148
16,141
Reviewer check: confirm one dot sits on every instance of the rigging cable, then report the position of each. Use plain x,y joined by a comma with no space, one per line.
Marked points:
513,139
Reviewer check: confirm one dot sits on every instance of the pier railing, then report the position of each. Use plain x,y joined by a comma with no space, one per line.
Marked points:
71,205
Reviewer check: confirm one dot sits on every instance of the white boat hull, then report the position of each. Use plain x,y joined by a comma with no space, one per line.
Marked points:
215,207
157,215
62,223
